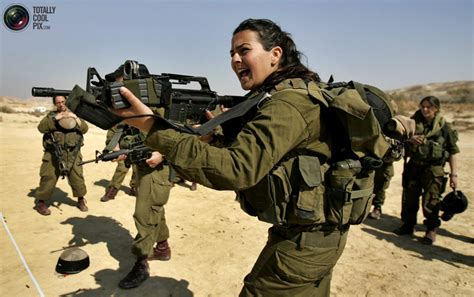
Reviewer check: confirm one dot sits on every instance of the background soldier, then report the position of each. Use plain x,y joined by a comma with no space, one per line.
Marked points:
383,175
62,140
121,170
153,189
119,174
433,144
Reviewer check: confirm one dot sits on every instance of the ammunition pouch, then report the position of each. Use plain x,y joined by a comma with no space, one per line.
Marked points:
431,151
292,193
349,193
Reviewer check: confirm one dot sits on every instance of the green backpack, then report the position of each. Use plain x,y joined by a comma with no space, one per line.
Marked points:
360,113
300,190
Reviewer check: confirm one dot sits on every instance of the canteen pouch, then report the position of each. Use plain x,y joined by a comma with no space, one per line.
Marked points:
349,193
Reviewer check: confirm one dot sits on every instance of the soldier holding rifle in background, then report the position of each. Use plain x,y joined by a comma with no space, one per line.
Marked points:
62,140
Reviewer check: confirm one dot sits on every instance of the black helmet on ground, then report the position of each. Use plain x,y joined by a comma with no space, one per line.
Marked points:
72,260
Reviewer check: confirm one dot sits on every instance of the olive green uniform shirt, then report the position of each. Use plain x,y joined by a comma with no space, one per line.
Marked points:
287,121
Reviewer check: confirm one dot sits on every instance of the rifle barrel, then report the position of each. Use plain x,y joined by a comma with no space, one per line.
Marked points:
48,92
86,162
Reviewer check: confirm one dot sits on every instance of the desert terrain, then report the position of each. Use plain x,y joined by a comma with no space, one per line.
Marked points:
214,244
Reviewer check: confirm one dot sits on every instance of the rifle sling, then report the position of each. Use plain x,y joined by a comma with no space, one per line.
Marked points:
75,152
237,111
115,139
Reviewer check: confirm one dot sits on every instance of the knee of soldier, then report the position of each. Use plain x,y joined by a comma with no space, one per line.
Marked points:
149,215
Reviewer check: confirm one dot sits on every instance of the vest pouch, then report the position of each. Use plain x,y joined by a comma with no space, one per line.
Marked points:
350,193
70,140
338,199
268,200
48,142
60,137
436,149
308,197
423,151
362,196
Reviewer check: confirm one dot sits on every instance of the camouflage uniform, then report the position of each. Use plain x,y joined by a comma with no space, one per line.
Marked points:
298,259
424,174
49,171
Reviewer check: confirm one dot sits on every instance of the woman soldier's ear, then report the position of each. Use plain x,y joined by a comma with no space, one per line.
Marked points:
276,55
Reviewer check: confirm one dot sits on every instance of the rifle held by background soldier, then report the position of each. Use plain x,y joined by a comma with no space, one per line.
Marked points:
58,154
136,154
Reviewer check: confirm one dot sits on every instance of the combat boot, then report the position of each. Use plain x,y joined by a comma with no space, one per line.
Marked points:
81,204
109,194
430,237
161,252
404,230
42,208
376,213
139,273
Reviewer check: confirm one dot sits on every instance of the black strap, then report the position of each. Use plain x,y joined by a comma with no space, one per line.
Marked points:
237,111
115,138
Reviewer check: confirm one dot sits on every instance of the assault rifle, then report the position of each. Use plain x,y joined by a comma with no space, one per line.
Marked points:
136,154
58,154
182,105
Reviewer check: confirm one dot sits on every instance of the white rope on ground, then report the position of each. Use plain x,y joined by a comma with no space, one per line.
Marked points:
40,292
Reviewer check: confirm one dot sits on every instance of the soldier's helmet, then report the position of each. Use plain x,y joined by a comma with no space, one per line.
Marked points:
453,203
68,123
72,260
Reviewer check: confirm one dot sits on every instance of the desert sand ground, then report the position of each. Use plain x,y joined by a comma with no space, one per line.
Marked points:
214,244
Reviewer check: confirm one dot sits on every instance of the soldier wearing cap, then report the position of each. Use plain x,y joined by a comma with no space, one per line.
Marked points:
63,137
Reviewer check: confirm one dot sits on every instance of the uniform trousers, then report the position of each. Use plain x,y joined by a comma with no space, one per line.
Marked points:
153,189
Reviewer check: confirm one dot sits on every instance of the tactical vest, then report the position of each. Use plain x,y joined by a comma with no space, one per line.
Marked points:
300,190
66,138
433,149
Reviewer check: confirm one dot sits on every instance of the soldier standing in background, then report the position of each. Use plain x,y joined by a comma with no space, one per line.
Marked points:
62,140
383,175
153,190
433,144
119,175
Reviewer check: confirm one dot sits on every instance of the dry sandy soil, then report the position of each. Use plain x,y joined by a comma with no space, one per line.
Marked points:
214,244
